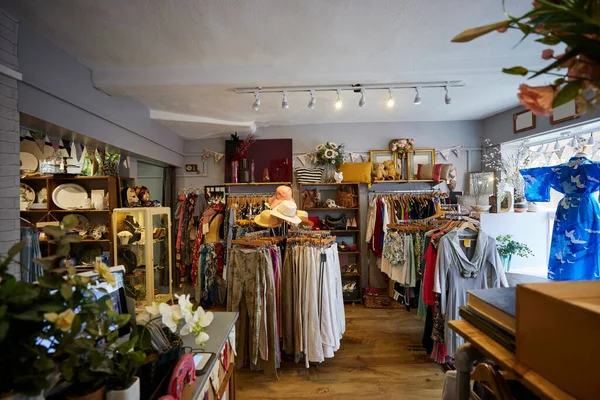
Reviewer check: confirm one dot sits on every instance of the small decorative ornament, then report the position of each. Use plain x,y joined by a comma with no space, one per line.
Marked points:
338,176
191,168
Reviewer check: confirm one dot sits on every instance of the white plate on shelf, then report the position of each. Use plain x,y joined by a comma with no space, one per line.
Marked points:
27,193
29,162
69,196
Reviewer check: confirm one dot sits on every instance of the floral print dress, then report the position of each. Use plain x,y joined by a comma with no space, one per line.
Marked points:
575,250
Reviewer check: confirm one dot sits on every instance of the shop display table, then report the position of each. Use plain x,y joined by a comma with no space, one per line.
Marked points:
480,345
219,330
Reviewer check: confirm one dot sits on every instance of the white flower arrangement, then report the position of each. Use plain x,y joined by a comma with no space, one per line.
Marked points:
329,153
180,315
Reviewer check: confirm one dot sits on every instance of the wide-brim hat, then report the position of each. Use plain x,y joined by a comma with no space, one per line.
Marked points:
266,220
303,215
287,212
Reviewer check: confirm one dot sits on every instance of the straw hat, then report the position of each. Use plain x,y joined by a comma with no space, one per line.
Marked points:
303,215
266,220
286,211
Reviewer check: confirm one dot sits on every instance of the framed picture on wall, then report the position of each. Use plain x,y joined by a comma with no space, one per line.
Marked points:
566,112
419,156
380,156
523,121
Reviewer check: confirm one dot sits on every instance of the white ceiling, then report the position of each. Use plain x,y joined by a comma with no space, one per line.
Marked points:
182,58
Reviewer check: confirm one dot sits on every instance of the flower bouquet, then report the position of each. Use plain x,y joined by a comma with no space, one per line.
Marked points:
402,147
331,156
576,72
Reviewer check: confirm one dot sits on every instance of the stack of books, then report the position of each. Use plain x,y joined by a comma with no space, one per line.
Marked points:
493,312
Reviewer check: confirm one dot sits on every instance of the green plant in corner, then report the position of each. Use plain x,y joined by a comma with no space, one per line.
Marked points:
508,247
127,358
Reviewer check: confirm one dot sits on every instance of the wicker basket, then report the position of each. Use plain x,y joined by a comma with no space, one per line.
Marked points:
381,301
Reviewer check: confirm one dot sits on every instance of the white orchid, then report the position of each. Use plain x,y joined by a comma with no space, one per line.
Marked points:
319,147
185,304
171,315
153,310
196,323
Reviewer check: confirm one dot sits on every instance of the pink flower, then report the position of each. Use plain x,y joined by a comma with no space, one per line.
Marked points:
412,141
547,54
537,99
503,29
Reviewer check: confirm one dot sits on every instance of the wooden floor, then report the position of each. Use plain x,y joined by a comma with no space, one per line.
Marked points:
374,363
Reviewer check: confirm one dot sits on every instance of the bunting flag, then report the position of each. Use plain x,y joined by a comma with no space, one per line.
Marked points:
209,153
91,152
78,150
39,138
55,141
67,144
355,157
446,152
23,133
304,159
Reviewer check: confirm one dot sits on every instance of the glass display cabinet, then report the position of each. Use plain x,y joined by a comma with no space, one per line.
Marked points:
142,244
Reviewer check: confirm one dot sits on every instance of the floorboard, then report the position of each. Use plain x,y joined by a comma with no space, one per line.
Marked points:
374,362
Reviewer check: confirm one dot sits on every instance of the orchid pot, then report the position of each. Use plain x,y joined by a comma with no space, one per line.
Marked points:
131,393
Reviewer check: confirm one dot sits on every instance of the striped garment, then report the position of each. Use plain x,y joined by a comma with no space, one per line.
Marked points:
309,175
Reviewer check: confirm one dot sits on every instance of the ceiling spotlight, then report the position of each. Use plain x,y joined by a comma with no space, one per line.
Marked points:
313,101
447,98
417,98
284,102
591,140
338,102
574,142
390,102
363,99
256,104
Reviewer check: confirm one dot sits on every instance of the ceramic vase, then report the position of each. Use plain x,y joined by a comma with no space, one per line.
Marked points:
244,171
131,393
521,207
234,172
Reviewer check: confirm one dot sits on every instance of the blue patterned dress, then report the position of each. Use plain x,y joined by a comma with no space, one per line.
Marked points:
575,249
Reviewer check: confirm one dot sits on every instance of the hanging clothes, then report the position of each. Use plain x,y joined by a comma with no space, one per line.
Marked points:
30,271
460,267
575,248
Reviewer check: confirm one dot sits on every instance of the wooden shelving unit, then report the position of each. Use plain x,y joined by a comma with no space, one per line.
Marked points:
54,213
346,257
259,184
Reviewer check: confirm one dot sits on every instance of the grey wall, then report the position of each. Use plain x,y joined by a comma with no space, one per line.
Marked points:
358,137
499,128
58,89
9,140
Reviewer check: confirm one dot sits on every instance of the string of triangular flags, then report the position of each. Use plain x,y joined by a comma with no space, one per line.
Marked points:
306,159
41,139
209,153
446,152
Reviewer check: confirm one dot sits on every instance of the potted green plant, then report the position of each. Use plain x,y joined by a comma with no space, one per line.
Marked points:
25,363
127,358
507,247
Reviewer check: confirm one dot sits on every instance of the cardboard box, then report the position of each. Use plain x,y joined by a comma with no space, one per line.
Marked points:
558,334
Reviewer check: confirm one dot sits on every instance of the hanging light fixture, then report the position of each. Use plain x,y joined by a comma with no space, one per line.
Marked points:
313,100
256,104
363,99
417,100
447,98
338,102
574,142
390,102
284,102
591,141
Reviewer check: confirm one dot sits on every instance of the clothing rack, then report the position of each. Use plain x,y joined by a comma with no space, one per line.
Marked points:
190,190
249,194
422,191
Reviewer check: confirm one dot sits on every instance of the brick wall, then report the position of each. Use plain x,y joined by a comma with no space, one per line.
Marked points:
9,139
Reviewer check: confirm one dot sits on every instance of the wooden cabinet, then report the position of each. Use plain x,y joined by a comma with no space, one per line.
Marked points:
89,247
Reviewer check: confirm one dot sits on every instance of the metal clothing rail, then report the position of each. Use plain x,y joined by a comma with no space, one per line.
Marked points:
416,191
249,194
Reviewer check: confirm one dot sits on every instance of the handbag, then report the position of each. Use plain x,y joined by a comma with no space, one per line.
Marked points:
309,199
346,197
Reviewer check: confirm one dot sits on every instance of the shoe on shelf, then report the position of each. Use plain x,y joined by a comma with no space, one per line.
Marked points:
345,269
354,223
342,246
